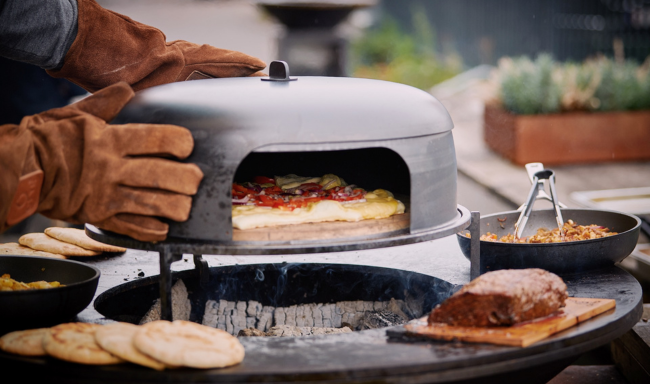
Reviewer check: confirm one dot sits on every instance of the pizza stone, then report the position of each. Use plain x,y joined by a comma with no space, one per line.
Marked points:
117,338
25,343
78,237
43,242
20,250
75,342
184,343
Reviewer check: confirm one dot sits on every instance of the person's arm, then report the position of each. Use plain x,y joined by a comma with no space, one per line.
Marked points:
111,47
37,32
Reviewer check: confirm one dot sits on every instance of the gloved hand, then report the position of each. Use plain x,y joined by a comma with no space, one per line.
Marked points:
113,176
110,47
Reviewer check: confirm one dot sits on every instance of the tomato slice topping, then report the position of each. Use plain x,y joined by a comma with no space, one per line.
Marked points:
301,202
241,188
274,190
263,180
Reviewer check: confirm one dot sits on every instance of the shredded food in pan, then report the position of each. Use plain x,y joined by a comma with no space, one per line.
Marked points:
9,284
572,232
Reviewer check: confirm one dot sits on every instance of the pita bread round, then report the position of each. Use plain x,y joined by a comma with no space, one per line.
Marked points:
43,242
75,342
117,338
26,343
19,250
184,343
78,237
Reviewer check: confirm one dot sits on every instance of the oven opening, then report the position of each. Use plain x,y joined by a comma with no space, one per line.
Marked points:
368,168
318,212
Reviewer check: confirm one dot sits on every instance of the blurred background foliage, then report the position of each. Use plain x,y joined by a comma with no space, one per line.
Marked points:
543,85
387,52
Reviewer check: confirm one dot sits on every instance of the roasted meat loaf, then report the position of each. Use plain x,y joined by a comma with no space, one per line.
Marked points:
503,297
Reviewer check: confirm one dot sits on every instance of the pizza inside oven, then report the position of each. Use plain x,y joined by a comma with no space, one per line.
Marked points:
263,198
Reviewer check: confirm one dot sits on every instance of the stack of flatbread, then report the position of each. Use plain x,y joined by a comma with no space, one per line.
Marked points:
159,345
58,242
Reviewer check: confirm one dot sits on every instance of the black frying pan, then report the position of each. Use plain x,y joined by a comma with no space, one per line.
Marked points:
45,307
568,257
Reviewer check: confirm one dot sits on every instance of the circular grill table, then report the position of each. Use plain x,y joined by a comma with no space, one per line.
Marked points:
366,356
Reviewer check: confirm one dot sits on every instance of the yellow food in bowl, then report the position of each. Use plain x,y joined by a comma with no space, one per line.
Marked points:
9,284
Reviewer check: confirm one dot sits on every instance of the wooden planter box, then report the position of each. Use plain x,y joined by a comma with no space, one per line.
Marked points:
567,138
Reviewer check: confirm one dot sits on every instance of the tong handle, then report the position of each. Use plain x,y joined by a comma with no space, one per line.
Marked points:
540,178
531,170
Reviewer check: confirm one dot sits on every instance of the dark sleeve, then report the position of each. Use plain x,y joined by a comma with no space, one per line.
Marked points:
38,32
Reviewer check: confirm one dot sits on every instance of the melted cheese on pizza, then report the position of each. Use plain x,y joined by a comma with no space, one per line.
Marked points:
378,204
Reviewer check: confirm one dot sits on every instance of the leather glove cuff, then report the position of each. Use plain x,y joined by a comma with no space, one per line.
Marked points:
21,178
26,198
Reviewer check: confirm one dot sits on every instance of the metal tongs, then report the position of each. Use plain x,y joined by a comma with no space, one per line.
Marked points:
539,177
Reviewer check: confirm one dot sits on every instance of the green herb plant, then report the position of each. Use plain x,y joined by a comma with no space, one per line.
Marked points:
527,86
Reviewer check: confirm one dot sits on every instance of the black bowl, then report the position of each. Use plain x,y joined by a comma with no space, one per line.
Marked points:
45,307
575,256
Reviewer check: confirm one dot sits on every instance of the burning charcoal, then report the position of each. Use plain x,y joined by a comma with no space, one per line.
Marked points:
236,317
300,316
290,315
380,319
317,314
181,305
337,316
266,319
279,317
210,315
251,332
326,310
308,316
239,317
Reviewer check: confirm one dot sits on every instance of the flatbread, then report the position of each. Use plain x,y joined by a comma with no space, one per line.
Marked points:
43,242
19,250
78,237
25,343
75,342
117,338
188,344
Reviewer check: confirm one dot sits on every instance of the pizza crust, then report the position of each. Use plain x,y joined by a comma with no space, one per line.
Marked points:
378,204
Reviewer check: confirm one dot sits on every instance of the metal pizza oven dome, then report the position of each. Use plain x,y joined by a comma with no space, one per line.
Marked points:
233,118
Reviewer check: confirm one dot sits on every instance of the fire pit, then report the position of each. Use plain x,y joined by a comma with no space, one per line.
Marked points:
303,295
363,356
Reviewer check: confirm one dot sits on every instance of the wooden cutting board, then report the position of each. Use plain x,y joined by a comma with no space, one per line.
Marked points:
519,335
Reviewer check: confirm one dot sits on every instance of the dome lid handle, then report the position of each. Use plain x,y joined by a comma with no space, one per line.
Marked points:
279,71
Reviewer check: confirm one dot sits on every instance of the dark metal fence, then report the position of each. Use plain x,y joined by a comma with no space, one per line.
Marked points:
482,31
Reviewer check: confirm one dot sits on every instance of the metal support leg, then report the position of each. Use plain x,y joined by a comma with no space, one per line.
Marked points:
165,282
475,246
203,270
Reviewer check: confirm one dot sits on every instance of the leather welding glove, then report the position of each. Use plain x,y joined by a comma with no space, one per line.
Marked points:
110,47
70,164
